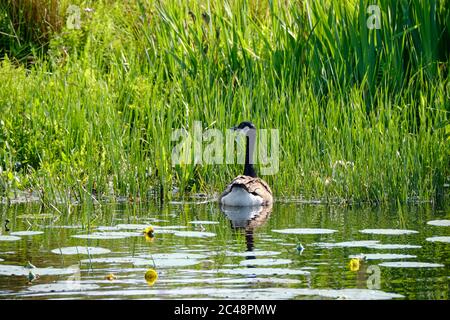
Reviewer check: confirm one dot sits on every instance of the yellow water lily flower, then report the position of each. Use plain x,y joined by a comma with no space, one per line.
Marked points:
110,277
354,264
151,276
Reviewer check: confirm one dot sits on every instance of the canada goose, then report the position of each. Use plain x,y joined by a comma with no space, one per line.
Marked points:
247,189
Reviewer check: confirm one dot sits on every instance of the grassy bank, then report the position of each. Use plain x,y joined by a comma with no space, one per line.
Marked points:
363,113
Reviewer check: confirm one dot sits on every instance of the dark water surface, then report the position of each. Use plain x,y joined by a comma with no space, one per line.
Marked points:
200,251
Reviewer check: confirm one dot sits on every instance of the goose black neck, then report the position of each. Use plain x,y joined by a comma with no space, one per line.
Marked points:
249,170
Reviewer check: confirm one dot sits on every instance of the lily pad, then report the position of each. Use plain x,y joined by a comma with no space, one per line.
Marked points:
12,270
439,239
257,294
203,222
347,244
390,232
289,293
173,256
393,246
80,250
158,229
9,238
114,260
132,226
63,286
349,294
383,256
439,223
251,253
26,233
371,244
264,262
264,271
410,264
194,234
107,235
163,231
107,228
166,263
305,231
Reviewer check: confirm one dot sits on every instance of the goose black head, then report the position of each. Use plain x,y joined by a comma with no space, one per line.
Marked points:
244,126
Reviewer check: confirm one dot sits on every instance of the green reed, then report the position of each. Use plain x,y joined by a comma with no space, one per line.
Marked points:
362,114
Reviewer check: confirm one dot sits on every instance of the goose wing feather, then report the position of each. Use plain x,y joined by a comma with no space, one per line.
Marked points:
256,186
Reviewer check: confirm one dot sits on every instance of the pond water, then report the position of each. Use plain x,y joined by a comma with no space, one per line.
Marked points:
202,251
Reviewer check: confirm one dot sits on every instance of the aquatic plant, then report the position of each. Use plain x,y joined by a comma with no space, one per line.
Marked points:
151,276
362,113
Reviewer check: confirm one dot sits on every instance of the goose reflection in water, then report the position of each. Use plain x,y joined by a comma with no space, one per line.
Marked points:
247,219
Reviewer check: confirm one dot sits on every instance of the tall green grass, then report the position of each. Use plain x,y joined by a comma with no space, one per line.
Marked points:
363,114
